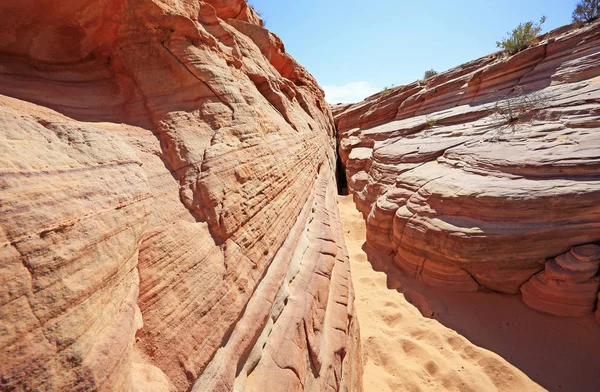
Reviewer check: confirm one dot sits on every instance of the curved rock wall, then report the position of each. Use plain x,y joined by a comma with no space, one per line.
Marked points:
474,178
168,216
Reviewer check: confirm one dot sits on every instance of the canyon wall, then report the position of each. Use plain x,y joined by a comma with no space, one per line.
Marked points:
168,212
487,176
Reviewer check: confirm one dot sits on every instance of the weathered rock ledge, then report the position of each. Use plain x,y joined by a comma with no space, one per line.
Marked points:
464,196
168,214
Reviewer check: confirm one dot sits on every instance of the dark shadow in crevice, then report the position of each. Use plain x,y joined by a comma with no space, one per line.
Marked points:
340,176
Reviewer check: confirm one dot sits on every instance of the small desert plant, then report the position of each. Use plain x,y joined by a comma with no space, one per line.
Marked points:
521,37
263,21
429,74
387,90
586,11
509,111
430,122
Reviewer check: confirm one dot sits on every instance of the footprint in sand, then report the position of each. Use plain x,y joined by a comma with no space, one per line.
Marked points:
391,320
432,368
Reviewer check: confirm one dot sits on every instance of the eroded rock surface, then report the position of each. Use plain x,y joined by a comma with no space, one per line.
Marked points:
168,216
568,285
476,177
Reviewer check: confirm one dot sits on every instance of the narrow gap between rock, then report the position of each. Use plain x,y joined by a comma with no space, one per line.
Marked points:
340,176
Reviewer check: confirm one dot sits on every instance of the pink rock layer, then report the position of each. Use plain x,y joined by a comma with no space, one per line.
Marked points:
168,215
569,284
463,197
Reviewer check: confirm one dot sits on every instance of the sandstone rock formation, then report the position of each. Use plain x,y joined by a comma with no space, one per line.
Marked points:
476,177
568,286
168,216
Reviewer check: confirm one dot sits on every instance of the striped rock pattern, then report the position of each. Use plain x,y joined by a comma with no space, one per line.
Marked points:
167,204
568,285
463,195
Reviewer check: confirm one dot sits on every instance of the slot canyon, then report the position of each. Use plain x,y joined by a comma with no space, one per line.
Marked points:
182,210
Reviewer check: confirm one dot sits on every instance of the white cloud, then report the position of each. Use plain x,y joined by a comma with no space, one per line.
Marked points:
349,93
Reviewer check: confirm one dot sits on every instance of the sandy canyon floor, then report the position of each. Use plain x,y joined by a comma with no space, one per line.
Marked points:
473,342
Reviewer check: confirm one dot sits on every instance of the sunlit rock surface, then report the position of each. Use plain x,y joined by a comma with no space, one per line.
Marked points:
568,285
475,178
168,216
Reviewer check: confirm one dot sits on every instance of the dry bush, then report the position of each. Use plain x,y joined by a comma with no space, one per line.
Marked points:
509,112
430,122
387,90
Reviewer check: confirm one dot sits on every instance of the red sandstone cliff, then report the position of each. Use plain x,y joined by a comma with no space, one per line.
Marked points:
464,197
168,216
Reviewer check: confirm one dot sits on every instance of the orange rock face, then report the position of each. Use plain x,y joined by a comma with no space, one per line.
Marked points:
476,177
568,286
168,204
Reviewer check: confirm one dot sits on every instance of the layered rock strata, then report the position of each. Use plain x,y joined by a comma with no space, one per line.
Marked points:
476,177
568,285
168,216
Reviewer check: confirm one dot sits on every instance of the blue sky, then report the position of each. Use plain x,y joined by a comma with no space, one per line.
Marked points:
355,48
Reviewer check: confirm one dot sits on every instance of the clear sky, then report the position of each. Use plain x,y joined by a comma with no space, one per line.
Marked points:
354,48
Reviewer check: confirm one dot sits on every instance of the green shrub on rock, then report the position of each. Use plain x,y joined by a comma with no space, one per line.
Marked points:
429,74
521,37
586,11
